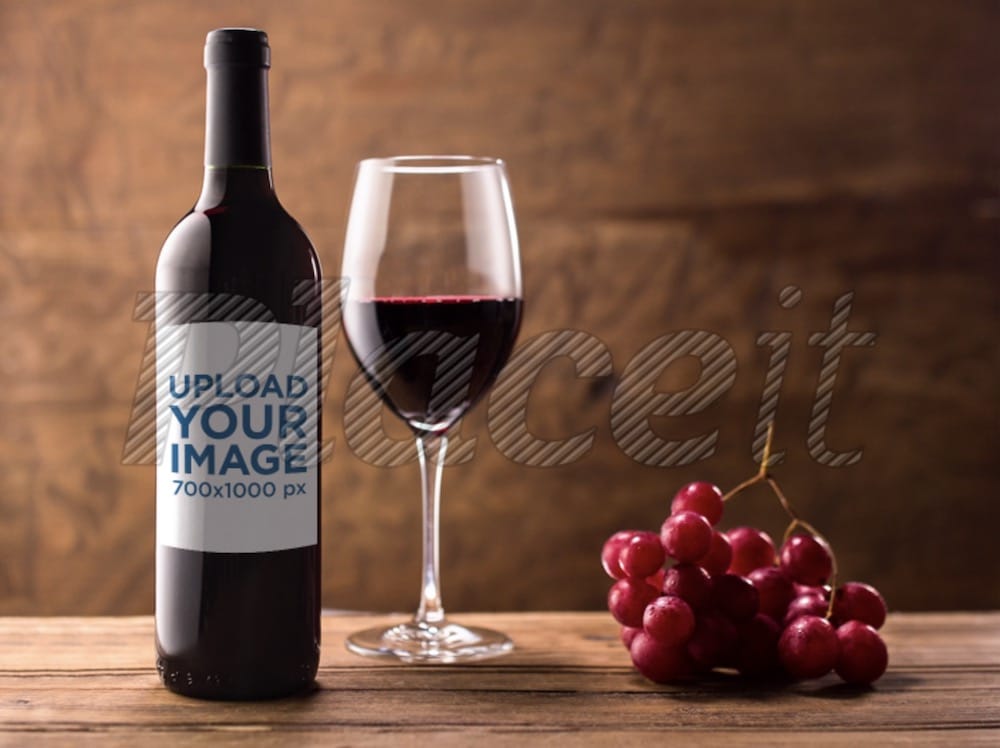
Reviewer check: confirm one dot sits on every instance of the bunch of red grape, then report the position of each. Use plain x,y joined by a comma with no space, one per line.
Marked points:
732,601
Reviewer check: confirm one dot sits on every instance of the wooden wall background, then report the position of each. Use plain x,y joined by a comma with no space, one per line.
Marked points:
674,166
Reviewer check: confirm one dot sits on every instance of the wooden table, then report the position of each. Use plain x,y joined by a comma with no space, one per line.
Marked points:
88,681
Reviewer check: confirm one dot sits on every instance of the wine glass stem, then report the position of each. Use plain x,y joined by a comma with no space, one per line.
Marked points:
431,449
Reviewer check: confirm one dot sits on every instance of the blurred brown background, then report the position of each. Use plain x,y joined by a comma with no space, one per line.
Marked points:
674,166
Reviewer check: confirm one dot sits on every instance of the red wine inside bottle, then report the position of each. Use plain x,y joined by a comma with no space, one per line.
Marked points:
238,403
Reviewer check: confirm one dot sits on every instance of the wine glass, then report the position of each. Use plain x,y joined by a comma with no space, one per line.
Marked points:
431,308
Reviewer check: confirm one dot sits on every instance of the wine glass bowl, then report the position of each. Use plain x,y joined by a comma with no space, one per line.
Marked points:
431,308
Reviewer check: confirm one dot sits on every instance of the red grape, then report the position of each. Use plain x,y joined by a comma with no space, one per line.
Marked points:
758,646
752,549
656,580
628,598
858,602
713,642
689,582
720,553
807,559
808,647
700,497
669,620
642,555
628,633
806,605
611,552
863,656
823,590
735,597
686,536
775,590
660,662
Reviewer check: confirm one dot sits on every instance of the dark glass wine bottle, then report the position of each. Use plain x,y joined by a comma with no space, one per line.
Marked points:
238,401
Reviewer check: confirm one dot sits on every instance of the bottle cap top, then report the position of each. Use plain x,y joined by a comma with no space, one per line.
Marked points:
237,47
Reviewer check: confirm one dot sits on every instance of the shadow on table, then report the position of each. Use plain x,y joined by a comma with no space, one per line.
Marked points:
722,683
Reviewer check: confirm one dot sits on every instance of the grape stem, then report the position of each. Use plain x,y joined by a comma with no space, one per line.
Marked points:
762,474
795,522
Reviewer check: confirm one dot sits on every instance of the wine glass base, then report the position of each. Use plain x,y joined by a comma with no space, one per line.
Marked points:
428,643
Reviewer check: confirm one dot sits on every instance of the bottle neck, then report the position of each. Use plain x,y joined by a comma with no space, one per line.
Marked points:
237,132
237,129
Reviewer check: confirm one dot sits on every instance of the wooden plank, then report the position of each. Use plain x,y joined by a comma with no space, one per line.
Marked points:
70,296
142,701
629,109
79,503
568,676
267,738
38,686
544,640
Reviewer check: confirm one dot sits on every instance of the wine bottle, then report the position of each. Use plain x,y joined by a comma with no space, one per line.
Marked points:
238,403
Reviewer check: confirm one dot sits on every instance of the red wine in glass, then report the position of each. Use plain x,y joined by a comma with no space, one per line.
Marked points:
432,358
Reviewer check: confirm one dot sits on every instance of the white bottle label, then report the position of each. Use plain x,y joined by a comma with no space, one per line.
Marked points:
237,428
